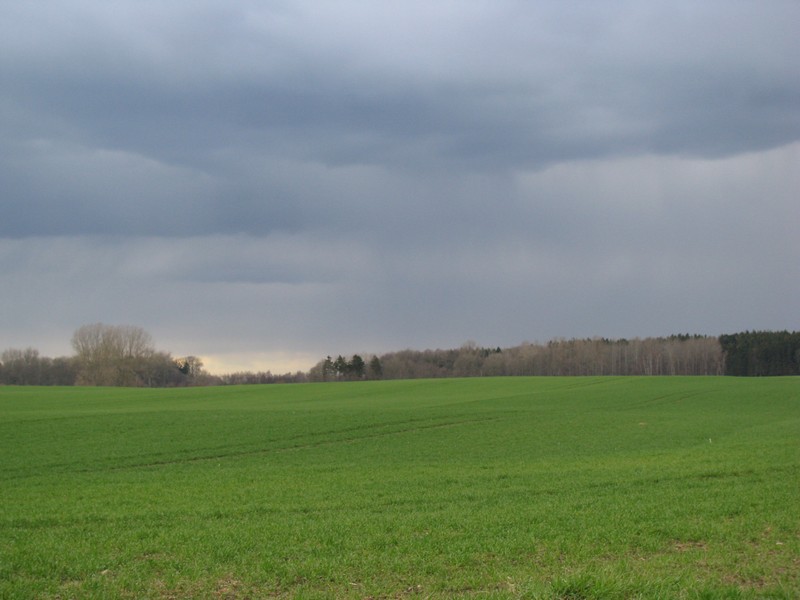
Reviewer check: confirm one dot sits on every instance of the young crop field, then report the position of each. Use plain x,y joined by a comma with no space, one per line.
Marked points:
607,487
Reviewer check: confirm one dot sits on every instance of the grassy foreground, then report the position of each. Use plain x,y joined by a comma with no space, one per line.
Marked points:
472,488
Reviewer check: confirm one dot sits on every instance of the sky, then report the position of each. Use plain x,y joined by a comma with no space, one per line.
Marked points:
264,183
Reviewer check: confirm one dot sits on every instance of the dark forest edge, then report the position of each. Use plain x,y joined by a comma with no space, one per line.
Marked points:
121,355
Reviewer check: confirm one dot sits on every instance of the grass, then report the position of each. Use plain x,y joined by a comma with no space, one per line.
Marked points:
471,488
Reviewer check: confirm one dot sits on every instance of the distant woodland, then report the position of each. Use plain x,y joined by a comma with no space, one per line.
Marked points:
111,355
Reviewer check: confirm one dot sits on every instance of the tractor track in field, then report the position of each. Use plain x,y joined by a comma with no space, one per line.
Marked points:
309,444
282,445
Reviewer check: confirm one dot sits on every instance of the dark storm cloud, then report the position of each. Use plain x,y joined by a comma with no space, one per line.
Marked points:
505,84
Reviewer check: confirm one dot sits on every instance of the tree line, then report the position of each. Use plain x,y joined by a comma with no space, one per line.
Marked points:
758,353
122,355
761,353
342,369
674,355
105,355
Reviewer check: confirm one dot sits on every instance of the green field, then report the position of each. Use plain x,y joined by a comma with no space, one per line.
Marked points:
467,488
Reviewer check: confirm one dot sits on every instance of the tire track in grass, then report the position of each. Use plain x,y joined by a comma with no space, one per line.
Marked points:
9,474
282,445
664,399
307,445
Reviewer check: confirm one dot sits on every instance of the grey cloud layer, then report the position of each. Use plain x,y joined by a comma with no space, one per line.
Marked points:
424,87
384,174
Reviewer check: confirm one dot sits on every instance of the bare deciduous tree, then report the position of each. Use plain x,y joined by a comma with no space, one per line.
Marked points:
112,354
